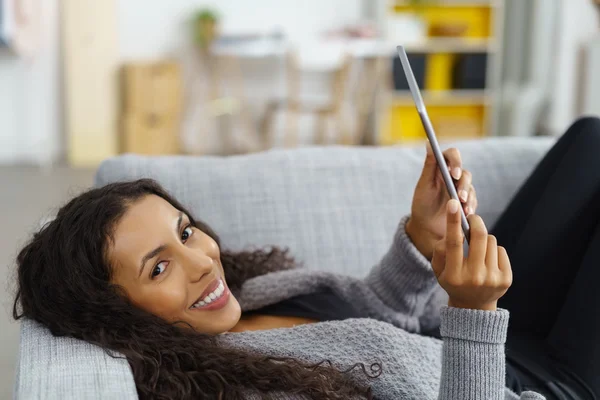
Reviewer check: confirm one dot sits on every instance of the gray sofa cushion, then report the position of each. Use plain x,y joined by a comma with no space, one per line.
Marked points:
335,208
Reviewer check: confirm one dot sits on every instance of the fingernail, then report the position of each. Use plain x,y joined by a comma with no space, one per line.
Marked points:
456,173
463,195
468,210
453,206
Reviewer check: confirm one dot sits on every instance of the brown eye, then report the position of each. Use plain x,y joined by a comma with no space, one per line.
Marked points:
158,269
186,234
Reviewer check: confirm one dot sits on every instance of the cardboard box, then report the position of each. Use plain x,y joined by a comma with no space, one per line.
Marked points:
150,134
154,88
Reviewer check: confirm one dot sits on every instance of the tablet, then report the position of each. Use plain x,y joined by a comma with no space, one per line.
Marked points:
441,161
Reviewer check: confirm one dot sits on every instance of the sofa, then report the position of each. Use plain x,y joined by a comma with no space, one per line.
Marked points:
335,208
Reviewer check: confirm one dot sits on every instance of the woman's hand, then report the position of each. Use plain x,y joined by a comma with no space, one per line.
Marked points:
427,223
478,280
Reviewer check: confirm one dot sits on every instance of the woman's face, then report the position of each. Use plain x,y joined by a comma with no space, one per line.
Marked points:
171,269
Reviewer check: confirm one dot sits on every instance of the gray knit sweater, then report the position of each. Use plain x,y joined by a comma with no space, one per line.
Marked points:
402,297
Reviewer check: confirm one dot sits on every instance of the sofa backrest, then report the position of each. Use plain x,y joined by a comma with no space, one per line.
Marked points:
335,208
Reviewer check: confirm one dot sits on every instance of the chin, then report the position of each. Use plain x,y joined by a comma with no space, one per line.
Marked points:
233,315
222,321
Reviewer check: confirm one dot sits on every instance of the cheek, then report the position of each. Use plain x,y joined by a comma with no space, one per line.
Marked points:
167,299
211,248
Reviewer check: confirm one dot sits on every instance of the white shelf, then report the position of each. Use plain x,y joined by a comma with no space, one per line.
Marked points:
451,3
361,47
452,45
444,97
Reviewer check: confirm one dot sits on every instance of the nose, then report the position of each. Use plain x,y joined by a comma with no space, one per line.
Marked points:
196,263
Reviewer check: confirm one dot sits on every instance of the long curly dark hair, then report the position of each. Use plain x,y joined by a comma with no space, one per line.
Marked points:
64,282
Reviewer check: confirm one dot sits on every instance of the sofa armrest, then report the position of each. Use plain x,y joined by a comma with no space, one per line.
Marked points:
64,368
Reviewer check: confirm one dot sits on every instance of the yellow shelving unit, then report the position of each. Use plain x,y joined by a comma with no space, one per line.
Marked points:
455,113
444,97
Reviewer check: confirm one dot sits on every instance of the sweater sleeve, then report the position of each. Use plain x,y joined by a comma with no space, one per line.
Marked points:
473,360
403,279
396,290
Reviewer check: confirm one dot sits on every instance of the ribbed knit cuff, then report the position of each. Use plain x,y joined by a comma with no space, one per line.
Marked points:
474,325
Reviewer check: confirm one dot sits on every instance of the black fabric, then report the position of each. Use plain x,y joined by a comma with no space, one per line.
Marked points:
551,231
324,305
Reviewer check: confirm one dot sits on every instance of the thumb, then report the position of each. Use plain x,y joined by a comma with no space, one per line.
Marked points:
430,165
438,261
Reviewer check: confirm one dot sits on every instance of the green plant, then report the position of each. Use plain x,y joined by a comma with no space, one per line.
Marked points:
205,26
206,15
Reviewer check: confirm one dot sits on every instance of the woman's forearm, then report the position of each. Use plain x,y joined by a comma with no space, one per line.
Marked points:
403,279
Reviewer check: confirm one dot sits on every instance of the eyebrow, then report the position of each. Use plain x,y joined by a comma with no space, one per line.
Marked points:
153,253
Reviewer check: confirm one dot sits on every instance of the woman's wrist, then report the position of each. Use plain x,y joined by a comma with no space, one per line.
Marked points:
493,306
424,242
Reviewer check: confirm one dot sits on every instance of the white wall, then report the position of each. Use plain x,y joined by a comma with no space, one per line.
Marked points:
151,29
30,111
578,24
11,79
157,29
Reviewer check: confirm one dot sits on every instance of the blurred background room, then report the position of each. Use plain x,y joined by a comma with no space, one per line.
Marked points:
84,80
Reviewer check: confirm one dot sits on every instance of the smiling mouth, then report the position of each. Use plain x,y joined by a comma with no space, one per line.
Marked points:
211,294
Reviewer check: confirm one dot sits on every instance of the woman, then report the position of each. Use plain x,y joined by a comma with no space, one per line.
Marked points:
128,268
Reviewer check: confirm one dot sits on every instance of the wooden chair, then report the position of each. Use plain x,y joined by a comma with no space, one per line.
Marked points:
293,106
366,95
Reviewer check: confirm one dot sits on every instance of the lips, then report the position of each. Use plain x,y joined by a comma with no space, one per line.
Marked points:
209,289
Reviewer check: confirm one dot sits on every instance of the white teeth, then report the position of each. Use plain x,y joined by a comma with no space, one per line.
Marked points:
212,296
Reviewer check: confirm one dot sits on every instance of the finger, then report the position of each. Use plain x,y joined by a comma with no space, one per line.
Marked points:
464,185
478,243
430,166
454,161
438,261
428,148
472,202
504,266
491,256
503,259
454,236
